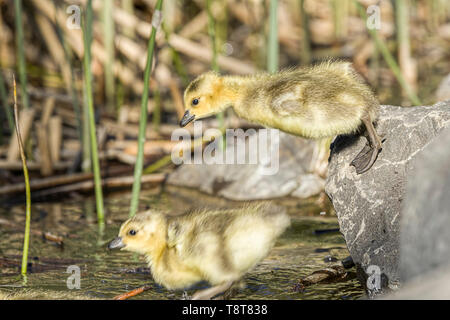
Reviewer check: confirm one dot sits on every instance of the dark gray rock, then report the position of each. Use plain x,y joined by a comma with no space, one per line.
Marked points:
425,221
424,226
249,182
368,206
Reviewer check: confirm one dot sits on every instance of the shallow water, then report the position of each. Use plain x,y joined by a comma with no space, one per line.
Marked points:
105,274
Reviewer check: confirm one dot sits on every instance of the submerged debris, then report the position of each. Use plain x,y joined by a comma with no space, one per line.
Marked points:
334,273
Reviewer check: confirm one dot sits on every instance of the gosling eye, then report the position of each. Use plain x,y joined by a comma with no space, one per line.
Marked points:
195,102
132,232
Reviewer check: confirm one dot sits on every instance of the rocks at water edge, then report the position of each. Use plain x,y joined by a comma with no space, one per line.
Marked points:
369,205
424,227
292,172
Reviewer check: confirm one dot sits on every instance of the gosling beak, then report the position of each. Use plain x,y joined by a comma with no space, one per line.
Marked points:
116,243
187,117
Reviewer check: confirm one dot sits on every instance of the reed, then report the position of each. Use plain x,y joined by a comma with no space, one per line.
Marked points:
272,45
214,65
156,114
108,32
222,25
340,11
390,60
86,164
21,53
138,168
305,54
128,6
164,161
26,238
5,104
87,37
72,90
438,11
177,63
407,65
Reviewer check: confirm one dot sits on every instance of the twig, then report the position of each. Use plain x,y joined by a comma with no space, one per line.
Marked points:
56,181
119,182
132,293
334,273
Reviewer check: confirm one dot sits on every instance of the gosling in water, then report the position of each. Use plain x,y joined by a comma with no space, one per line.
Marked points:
215,246
316,102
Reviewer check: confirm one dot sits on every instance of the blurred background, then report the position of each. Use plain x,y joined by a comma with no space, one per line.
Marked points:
404,55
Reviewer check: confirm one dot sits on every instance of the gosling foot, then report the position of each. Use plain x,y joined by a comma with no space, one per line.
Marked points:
365,159
368,155
210,293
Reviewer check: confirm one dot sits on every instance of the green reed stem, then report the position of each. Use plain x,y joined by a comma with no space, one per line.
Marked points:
20,53
4,102
72,89
156,114
108,31
403,44
128,6
143,119
272,50
86,165
390,60
214,64
87,37
178,64
26,238
158,164
305,53
340,11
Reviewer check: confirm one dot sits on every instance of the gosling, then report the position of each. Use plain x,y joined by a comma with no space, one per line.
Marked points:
316,102
214,246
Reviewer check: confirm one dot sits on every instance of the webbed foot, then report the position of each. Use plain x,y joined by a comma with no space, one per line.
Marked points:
368,155
365,159
211,293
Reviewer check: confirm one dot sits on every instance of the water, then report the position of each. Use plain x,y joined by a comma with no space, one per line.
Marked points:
105,274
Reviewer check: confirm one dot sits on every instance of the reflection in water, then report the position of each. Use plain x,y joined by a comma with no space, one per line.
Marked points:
105,274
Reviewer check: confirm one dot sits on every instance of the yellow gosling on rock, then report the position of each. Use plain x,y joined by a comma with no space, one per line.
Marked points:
215,246
320,101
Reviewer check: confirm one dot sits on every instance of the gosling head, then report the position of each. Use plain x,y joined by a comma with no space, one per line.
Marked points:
144,233
203,97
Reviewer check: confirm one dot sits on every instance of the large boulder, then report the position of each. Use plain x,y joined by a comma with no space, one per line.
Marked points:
289,173
433,285
368,206
425,221
424,225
